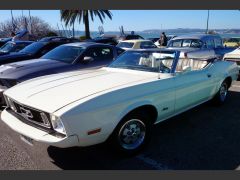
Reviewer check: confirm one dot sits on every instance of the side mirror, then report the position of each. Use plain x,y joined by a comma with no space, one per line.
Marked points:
87,59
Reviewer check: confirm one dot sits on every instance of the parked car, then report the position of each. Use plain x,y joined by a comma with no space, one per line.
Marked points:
4,41
34,50
232,42
169,37
136,44
119,103
234,56
14,46
199,46
105,40
68,57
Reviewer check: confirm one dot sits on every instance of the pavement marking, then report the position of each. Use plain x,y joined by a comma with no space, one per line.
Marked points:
153,163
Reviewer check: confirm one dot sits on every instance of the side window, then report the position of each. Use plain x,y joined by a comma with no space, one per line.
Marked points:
120,51
19,47
218,42
48,48
99,53
147,45
196,43
186,43
176,43
210,44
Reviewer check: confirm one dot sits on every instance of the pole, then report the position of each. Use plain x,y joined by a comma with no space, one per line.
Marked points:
30,21
13,26
207,22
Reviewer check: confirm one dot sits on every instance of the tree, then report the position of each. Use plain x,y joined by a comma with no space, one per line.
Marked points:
70,16
36,26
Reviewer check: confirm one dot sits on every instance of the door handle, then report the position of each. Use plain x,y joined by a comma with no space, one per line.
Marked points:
209,75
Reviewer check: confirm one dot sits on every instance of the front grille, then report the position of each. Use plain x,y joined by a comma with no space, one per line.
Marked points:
2,82
31,114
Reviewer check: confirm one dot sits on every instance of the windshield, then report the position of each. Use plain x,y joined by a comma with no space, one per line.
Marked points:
234,40
194,43
145,61
34,47
7,47
13,47
64,53
125,45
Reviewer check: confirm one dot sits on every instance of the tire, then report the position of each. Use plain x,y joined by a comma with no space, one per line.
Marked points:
221,95
132,134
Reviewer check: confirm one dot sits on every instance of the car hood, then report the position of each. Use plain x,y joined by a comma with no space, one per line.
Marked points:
53,92
15,56
32,68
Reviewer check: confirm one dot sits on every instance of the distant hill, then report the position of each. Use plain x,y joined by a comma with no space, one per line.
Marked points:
189,30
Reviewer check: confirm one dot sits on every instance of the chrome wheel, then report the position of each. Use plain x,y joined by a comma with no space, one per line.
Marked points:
132,134
223,92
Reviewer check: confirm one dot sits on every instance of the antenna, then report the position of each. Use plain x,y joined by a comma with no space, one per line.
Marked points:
207,22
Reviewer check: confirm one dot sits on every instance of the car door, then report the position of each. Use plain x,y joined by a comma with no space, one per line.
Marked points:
100,56
192,87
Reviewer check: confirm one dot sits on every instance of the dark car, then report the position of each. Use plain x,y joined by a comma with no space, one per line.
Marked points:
68,57
105,40
4,41
34,50
13,46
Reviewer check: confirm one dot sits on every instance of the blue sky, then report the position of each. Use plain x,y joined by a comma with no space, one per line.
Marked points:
145,19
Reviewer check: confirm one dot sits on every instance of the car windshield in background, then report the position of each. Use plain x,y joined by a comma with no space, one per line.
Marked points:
147,45
33,48
236,40
125,45
12,47
194,43
145,61
64,53
7,47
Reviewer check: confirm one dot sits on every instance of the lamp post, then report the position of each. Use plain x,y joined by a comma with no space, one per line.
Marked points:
207,22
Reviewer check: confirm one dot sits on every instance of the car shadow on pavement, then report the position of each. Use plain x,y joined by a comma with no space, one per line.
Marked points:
206,137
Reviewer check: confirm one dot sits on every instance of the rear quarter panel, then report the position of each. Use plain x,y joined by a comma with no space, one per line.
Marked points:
220,70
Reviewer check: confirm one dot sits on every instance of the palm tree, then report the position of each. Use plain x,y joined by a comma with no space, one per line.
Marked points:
70,16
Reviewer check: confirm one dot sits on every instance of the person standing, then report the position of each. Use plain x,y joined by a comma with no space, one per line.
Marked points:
163,39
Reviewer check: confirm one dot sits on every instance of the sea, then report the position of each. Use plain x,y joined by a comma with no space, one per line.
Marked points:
154,35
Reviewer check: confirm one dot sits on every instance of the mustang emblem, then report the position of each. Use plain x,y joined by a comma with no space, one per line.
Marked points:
26,113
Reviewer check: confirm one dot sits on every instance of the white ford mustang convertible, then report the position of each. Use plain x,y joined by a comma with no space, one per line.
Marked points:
119,103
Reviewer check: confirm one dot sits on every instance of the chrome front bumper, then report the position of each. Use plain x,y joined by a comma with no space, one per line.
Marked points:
37,134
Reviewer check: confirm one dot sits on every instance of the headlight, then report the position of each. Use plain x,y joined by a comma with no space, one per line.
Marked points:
57,124
11,104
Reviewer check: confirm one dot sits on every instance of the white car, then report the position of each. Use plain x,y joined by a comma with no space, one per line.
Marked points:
119,103
233,56
136,44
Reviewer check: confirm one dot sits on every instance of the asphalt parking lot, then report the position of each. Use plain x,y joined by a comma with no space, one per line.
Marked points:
206,138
